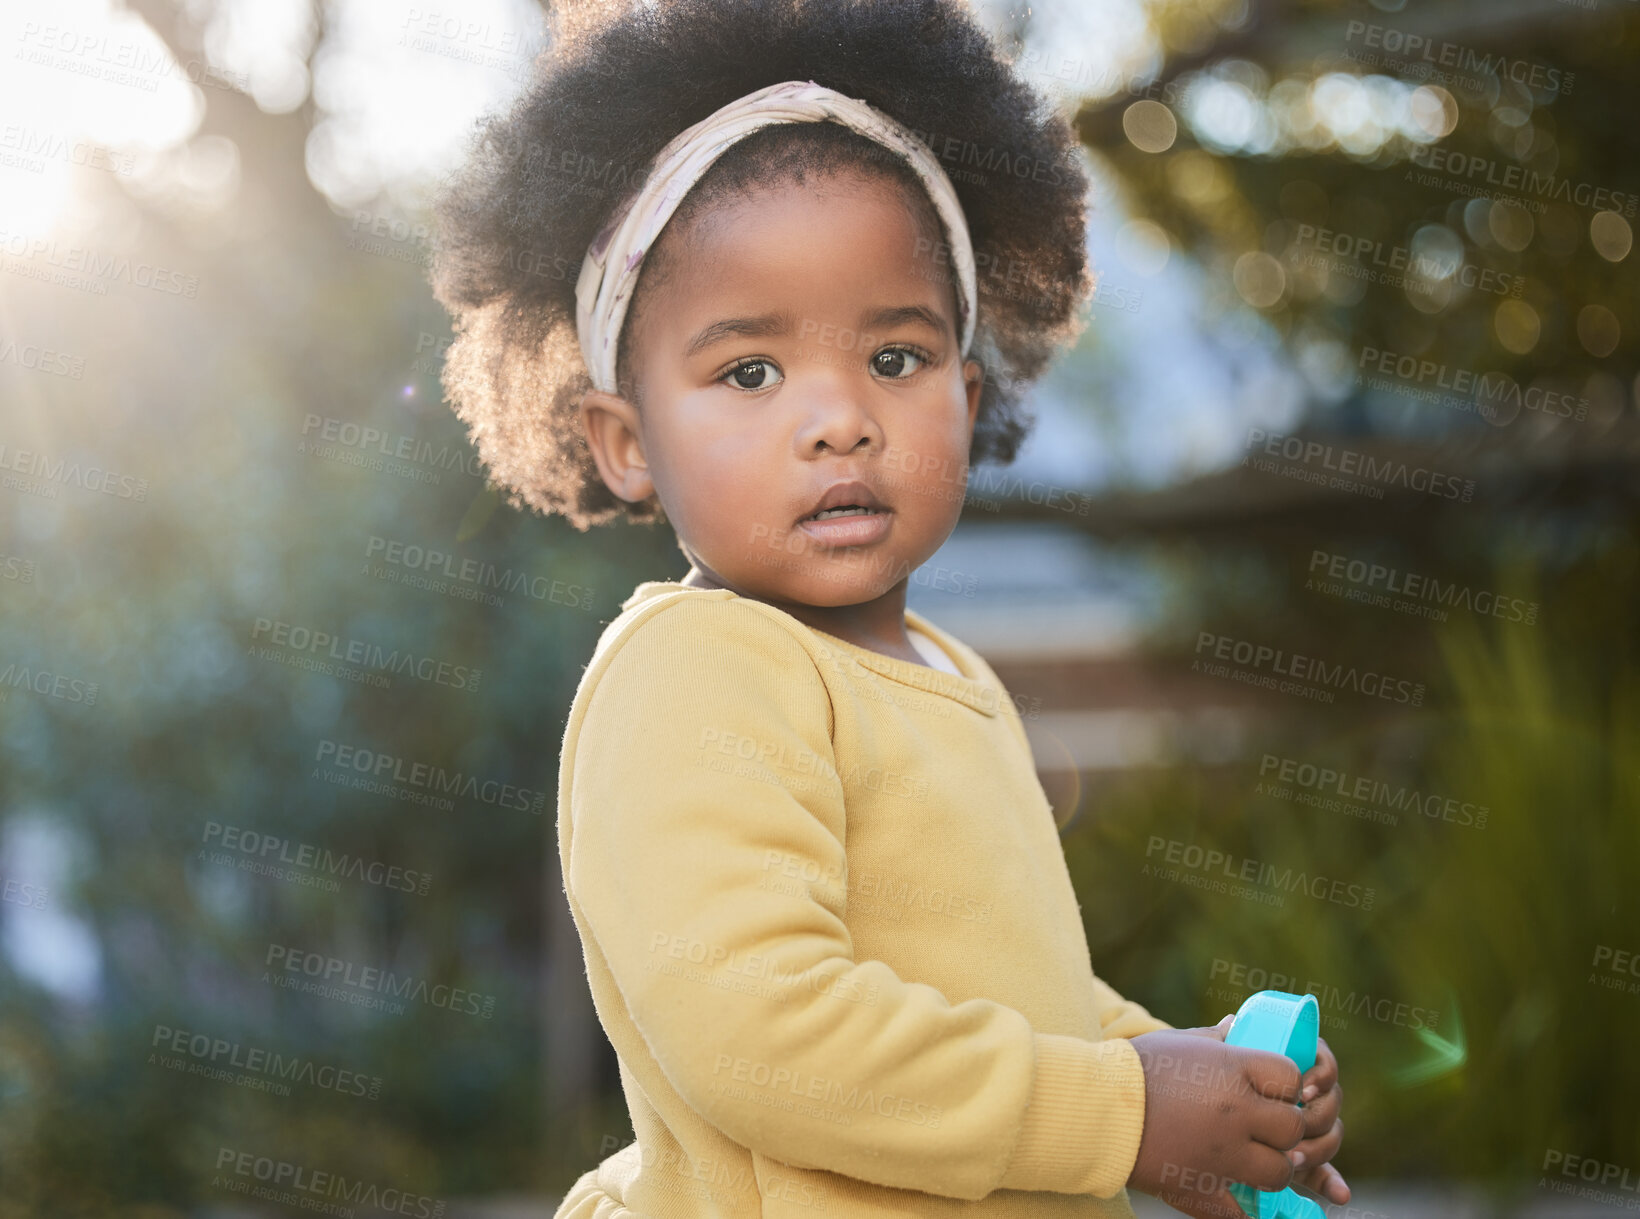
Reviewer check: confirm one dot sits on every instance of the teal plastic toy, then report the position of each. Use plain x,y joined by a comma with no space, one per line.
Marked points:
1283,1024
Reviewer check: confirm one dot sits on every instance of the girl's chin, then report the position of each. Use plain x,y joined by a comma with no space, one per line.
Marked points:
822,584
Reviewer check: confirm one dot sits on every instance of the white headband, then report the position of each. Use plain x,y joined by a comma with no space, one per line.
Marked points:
602,294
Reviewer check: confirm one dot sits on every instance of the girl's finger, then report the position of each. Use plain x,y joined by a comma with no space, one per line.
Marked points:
1323,1075
1216,1032
1325,1180
1323,1147
1322,1112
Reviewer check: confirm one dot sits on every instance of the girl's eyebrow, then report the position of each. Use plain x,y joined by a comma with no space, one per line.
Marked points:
761,326
894,315
765,325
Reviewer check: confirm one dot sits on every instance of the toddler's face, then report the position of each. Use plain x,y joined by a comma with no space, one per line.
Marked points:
803,336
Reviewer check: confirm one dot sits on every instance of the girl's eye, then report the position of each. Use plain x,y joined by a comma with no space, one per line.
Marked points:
892,362
753,374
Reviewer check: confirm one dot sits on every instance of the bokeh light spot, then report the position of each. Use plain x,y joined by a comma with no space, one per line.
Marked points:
1611,236
1150,126
1260,279
1517,326
1598,330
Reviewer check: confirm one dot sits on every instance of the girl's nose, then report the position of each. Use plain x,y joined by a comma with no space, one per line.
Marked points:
835,417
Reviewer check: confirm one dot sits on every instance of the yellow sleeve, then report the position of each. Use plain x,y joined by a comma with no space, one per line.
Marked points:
743,982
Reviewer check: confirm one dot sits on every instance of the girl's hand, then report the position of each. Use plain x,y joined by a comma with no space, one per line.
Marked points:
1214,1114
1323,1129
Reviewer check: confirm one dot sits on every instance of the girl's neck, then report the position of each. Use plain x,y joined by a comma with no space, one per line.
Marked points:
877,625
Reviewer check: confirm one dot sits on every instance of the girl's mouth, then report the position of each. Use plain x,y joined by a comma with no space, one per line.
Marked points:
847,526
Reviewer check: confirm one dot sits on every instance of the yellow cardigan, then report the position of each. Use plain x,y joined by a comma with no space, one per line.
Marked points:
830,933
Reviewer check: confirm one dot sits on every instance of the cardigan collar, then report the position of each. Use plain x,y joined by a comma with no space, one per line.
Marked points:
967,687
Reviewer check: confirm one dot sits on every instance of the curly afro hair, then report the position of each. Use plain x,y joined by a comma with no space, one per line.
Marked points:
621,78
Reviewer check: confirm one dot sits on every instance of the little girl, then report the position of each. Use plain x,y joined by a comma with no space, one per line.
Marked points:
776,271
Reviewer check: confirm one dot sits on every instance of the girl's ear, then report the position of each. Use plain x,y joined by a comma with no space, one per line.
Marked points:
613,434
973,377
